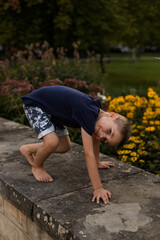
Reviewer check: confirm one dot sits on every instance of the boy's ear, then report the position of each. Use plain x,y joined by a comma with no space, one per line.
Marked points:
113,115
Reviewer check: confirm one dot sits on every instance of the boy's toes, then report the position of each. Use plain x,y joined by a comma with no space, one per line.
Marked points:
46,179
41,175
50,179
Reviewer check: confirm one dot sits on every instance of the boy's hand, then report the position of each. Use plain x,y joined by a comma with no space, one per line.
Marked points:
105,164
101,193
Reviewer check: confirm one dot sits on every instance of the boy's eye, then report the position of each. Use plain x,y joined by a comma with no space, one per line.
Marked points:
109,131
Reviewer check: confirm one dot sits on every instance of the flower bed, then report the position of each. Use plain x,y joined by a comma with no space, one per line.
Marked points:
143,147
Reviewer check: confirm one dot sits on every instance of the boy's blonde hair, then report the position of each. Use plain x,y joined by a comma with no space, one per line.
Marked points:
125,128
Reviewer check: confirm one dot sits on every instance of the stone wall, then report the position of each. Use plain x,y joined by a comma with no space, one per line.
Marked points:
14,225
62,209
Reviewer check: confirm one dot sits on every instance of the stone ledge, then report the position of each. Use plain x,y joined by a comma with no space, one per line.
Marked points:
63,208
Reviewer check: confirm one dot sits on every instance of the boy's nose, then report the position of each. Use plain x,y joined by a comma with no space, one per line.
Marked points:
104,135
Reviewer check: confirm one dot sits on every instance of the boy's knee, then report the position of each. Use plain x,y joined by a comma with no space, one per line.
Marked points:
64,146
67,147
51,145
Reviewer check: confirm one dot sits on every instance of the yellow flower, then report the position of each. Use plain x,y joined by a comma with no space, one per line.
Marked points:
54,62
119,152
130,115
132,108
133,154
144,121
158,103
135,131
124,158
144,153
129,146
129,163
148,114
138,140
133,159
108,99
140,151
141,161
140,126
142,134
134,126
157,122
126,151
150,129
121,99
130,98
151,93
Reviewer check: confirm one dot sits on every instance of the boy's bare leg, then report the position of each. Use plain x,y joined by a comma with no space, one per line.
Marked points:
28,150
51,143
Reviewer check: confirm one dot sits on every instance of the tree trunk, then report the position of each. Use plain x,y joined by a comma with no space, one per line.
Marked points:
133,55
102,62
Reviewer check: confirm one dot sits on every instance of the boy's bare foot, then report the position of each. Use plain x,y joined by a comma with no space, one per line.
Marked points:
41,175
29,156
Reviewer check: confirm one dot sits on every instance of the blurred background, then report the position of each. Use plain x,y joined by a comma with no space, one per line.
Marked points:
123,36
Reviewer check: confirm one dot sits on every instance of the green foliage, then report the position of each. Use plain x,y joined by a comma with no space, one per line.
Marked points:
97,24
11,108
23,22
141,23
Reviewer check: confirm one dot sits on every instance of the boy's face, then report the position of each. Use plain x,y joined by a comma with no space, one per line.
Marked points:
106,130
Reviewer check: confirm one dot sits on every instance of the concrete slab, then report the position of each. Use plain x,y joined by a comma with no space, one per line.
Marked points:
130,214
64,208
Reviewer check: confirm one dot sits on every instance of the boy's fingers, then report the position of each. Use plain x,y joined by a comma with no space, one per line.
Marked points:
107,164
109,194
105,199
105,196
111,164
93,199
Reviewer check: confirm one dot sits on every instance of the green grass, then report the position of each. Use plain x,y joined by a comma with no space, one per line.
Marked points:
124,77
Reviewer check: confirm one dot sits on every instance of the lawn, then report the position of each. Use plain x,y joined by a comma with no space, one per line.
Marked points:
124,77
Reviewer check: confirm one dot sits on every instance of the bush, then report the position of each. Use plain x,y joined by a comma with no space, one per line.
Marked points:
10,102
42,63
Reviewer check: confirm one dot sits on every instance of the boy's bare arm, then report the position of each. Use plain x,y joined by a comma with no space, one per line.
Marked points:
99,192
96,148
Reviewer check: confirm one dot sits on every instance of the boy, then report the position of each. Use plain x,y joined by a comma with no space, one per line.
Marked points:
50,109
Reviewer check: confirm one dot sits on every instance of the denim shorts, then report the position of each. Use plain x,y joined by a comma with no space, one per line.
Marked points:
41,122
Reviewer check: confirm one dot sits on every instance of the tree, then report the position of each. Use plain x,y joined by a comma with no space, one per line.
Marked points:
23,22
95,23
142,23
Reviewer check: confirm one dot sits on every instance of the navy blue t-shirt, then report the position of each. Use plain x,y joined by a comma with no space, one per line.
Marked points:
67,106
